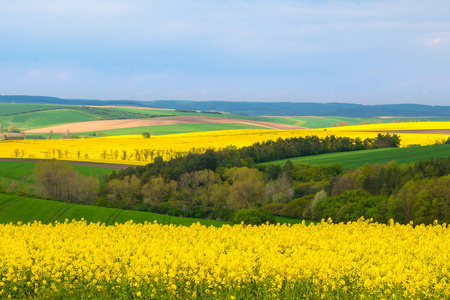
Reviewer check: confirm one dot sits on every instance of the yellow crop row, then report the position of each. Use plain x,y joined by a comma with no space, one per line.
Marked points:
129,149
394,127
333,261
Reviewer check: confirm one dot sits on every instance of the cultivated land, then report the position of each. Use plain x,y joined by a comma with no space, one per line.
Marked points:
356,159
24,209
81,127
129,149
45,255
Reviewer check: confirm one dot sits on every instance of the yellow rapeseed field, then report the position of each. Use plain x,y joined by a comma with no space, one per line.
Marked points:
134,149
358,260
394,127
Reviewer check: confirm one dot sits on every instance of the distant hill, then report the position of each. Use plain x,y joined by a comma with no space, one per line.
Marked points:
259,108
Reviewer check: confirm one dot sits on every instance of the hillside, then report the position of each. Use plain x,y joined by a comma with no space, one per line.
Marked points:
259,108
356,159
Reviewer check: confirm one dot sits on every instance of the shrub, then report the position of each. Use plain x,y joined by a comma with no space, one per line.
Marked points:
275,208
299,208
253,216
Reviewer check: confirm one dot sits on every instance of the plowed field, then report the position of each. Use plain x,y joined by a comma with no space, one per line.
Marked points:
81,127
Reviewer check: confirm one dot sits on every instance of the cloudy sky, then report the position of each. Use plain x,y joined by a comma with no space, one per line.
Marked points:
366,51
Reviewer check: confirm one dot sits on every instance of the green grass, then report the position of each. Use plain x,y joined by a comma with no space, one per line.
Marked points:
356,159
17,108
18,176
172,129
39,119
23,209
321,122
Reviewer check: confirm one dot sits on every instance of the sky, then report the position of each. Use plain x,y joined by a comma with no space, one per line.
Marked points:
350,51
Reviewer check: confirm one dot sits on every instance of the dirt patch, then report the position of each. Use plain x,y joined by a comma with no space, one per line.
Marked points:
70,162
100,125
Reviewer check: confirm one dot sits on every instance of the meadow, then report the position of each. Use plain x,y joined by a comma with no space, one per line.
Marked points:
31,120
357,260
24,209
14,209
18,108
356,159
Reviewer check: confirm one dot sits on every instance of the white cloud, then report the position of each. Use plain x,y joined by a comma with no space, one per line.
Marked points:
49,75
435,42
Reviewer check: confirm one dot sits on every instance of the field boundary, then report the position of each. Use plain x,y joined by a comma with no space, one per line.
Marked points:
71,162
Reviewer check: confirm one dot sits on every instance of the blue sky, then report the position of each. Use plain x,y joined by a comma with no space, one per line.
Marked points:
367,51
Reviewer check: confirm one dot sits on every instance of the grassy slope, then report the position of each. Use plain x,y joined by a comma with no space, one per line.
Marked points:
19,175
15,108
359,158
22,209
40,119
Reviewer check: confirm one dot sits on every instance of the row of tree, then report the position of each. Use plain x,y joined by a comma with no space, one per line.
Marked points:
418,192
11,129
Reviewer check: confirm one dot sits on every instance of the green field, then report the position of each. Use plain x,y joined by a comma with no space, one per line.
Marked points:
23,209
321,122
39,119
172,129
18,176
356,159
17,108
32,116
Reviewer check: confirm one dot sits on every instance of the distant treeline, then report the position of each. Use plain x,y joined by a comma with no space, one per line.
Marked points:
259,108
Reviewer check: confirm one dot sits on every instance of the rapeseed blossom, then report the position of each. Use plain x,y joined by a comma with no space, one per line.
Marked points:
154,261
131,149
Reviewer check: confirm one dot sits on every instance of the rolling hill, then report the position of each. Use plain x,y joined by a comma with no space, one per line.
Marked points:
258,108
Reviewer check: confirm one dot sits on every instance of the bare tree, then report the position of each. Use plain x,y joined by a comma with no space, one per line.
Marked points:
280,190
58,180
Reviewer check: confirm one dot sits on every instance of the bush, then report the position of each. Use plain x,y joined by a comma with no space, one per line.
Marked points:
299,208
275,208
253,216
35,137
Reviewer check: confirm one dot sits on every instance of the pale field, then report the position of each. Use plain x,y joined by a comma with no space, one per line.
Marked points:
103,149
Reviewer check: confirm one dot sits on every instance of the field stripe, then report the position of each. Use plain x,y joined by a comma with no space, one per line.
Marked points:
59,213
113,217
5,204
71,162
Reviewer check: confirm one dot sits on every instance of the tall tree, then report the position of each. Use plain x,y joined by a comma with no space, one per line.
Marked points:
247,188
